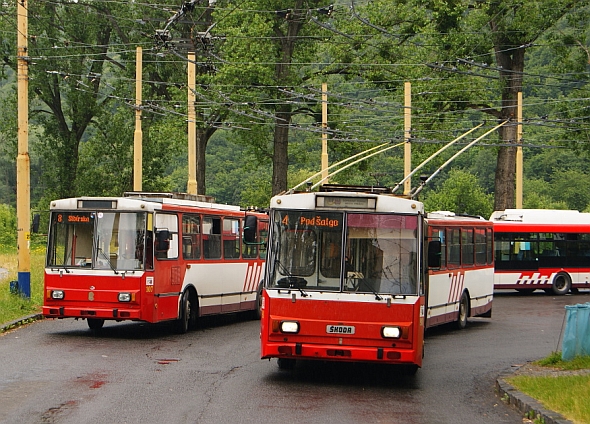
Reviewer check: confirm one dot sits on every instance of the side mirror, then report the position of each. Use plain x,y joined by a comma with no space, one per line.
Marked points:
162,240
36,219
434,253
250,229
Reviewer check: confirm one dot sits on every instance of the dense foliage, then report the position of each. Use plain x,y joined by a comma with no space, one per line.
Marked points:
260,69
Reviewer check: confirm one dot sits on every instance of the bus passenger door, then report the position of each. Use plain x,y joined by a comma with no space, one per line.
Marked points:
168,273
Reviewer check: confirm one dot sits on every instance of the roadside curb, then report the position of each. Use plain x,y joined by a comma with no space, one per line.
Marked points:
19,322
528,406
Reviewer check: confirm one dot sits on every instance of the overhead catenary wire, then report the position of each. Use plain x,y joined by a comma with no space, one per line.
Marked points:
367,111
421,165
419,188
354,163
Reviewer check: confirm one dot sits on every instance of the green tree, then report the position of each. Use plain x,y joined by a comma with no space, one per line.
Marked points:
460,193
267,53
7,225
462,45
81,80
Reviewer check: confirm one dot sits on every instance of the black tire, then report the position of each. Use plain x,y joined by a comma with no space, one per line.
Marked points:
258,311
187,319
463,312
95,323
286,363
410,369
562,283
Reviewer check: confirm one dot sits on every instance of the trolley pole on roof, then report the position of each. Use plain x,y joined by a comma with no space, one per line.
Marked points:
23,177
325,132
407,136
138,135
519,159
192,125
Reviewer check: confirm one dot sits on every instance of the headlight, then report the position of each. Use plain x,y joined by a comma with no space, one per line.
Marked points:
57,294
289,327
391,332
124,297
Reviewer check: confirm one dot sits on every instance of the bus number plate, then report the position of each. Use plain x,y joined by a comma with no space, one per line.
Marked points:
339,329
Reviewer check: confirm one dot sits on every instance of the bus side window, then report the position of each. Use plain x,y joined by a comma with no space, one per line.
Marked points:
231,238
454,240
249,245
191,236
211,237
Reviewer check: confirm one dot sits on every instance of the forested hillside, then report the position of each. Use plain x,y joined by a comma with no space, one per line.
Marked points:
260,68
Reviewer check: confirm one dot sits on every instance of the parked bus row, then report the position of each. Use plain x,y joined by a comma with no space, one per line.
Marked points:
351,273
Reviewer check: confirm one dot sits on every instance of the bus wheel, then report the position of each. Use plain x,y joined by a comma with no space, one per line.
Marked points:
562,284
463,311
258,311
95,323
188,314
286,363
410,369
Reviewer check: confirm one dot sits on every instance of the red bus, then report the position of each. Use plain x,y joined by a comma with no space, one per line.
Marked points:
151,257
542,249
347,276
463,285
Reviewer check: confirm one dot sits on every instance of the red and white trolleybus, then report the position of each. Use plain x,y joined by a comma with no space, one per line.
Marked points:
356,274
151,257
542,249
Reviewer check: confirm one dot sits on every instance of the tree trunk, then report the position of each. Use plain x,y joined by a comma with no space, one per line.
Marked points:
280,157
510,60
202,140
283,113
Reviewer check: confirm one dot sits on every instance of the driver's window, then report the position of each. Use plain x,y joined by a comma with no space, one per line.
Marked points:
169,223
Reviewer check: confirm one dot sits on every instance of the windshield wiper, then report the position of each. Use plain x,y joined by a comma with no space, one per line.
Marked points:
105,257
363,281
62,268
291,281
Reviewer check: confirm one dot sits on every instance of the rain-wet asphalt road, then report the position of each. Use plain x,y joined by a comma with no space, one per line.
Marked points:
60,372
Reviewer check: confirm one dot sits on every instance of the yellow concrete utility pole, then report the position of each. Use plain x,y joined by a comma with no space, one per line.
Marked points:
407,136
138,134
192,125
519,158
325,132
23,176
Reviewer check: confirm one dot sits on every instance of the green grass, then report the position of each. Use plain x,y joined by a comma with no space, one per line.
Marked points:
14,307
566,394
554,361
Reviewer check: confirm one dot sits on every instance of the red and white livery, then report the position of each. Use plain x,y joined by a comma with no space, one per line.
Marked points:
152,257
350,271
463,285
542,249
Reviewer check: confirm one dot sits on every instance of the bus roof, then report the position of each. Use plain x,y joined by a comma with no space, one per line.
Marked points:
451,218
346,200
135,203
540,216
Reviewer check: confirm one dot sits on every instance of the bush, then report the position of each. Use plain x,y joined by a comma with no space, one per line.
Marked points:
7,225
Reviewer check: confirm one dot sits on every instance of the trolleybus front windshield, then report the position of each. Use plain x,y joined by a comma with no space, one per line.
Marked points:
100,240
336,251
